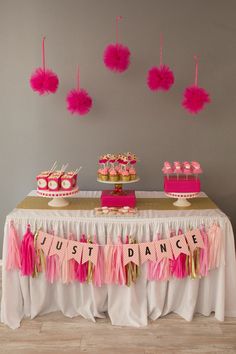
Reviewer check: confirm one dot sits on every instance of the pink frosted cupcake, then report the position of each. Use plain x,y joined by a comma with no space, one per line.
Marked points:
125,176
187,169
113,175
132,173
104,174
196,167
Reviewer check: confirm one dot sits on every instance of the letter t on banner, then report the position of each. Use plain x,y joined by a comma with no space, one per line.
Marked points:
194,239
90,253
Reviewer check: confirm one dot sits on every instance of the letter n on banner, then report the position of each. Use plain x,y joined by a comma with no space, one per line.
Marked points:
44,242
131,253
90,253
179,245
59,245
163,249
194,239
147,252
74,250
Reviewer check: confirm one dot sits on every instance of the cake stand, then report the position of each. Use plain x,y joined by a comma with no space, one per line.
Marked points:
58,200
182,198
119,185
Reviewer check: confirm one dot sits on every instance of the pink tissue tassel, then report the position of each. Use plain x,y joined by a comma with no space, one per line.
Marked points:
216,246
27,253
179,264
120,274
81,270
68,267
98,271
13,254
109,262
52,267
204,262
159,270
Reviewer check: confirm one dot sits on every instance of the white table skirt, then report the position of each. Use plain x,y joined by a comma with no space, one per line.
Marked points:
132,306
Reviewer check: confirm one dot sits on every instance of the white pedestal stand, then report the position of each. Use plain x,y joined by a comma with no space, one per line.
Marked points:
58,200
119,185
181,201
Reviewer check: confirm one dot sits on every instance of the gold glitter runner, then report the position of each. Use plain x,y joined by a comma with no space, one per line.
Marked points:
142,204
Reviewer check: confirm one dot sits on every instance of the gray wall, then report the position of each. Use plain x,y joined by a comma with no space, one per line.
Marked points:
35,130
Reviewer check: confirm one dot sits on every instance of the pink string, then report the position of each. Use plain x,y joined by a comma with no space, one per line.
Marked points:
78,78
43,53
196,69
161,49
118,18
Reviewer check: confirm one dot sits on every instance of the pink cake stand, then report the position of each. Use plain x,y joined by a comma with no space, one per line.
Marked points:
58,200
119,185
181,201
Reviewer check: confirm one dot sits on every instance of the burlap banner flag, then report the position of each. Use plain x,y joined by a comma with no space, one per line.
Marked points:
74,250
58,247
44,242
179,245
90,253
131,253
163,249
147,252
194,239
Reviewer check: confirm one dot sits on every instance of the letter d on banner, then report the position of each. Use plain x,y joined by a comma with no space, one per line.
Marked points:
131,253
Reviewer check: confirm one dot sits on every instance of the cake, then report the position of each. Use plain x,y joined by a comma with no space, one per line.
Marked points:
182,177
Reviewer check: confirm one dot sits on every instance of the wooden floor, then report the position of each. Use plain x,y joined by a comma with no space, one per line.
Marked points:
55,333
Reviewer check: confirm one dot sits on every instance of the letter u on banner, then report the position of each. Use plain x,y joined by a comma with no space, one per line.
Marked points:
131,253
59,245
163,249
90,253
44,242
179,245
194,239
74,250
147,251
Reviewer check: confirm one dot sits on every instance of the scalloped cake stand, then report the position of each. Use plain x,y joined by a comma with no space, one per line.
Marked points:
119,184
58,200
182,198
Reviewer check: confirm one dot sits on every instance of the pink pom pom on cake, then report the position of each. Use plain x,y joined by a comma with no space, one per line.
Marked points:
160,78
79,102
116,57
195,99
44,81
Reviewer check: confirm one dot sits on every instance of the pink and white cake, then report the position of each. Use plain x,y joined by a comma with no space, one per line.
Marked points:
182,177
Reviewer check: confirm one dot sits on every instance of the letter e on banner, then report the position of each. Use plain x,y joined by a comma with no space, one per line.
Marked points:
74,250
59,245
163,249
131,253
44,242
194,239
179,245
90,253
147,251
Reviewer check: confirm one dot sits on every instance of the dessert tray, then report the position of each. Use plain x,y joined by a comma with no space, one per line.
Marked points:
58,200
113,211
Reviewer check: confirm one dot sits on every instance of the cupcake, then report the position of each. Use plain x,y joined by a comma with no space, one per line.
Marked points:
113,175
125,176
104,174
132,173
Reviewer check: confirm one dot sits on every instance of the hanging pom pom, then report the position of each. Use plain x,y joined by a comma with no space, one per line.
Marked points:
116,57
195,98
13,254
27,253
79,102
44,82
161,78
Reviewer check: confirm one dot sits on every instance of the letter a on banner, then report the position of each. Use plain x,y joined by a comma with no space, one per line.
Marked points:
194,239
147,252
44,242
74,250
163,249
90,253
58,247
179,245
131,253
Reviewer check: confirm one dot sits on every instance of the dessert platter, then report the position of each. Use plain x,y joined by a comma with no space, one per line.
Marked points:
181,181
118,170
57,184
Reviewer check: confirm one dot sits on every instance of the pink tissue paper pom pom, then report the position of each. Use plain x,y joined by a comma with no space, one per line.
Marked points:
161,78
44,82
79,102
116,57
195,99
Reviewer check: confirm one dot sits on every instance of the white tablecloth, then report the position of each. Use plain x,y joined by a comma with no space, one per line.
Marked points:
23,296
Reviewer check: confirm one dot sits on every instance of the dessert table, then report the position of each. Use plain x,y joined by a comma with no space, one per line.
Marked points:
134,305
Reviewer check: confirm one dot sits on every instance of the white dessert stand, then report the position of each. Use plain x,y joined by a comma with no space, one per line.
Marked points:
58,200
119,184
181,201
